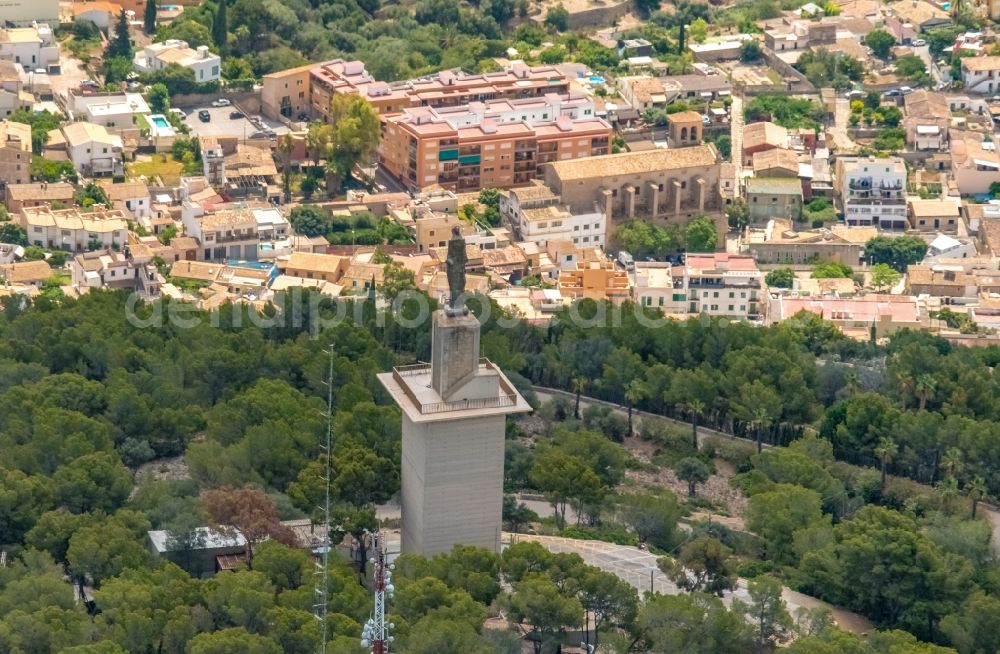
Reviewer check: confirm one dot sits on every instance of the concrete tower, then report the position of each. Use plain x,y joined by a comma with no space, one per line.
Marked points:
454,415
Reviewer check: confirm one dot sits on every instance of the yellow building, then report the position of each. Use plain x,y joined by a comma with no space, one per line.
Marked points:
596,280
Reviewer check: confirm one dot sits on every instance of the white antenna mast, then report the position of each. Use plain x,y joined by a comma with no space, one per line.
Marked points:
322,590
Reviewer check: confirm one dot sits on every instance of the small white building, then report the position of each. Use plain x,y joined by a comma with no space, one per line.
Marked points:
947,247
31,47
116,111
206,66
981,74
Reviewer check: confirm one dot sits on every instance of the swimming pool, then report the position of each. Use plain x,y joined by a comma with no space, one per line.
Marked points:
160,126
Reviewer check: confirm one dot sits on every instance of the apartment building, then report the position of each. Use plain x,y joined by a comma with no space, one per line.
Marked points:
499,144
74,230
726,285
981,74
537,215
15,153
873,191
675,183
154,57
309,89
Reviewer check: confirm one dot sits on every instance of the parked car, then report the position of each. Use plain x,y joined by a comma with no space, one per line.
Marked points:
204,116
919,43
905,90
221,102
264,134
891,93
855,95
235,115
302,117
180,113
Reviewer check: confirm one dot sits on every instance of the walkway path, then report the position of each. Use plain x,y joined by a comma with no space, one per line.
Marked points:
638,568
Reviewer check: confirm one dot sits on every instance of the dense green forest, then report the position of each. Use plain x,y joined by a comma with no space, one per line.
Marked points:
87,398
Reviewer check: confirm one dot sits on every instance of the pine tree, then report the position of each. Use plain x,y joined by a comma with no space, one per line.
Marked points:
149,18
121,45
220,31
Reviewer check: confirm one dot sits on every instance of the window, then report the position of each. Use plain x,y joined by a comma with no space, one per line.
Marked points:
715,294
730,307
731,295
661,300
714,307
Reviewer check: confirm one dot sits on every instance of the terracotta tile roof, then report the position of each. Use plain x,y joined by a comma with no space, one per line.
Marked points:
635,163
26,271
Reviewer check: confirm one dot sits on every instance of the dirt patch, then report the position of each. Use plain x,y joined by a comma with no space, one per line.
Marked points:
172,469
716,489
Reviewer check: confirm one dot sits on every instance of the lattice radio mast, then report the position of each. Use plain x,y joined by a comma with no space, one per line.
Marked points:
322,589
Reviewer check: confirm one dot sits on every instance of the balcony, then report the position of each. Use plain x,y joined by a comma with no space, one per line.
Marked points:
506,397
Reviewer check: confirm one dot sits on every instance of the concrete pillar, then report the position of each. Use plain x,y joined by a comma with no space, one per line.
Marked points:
675,184
654,202
702,188
629,201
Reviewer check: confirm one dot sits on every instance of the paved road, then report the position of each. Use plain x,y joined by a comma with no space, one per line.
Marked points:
736,140
842,115
638,568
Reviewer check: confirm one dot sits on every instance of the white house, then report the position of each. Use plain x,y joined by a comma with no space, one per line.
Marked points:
90,147
13,97
100,13
206,66
31,47
132,195
981,74
116,111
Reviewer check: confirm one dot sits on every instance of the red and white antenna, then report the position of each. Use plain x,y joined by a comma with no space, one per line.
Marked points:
376,632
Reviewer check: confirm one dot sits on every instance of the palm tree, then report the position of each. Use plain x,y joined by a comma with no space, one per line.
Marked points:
923,388
759,420
976,490
952,463
634,391
696,409
579,386
886,451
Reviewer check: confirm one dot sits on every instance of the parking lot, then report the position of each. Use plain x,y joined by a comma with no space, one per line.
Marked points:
222,125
